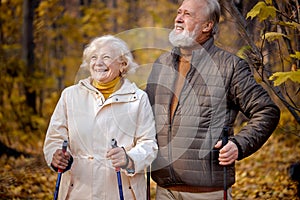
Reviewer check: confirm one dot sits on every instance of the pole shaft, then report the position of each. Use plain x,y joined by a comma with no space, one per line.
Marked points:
224,142
60,171
114,145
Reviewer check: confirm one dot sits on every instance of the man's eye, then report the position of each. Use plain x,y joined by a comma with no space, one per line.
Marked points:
94,57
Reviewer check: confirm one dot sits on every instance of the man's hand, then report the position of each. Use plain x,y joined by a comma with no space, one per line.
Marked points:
228,154
60,160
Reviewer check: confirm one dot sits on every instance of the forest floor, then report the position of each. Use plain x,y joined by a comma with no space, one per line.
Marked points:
264,175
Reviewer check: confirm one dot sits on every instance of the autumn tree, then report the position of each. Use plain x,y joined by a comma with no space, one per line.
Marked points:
278,49
267,36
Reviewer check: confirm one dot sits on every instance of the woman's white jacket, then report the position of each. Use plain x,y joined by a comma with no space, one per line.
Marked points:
89,124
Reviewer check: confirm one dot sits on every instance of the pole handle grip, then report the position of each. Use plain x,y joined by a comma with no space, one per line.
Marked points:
114,144
64,149
64,146
225,136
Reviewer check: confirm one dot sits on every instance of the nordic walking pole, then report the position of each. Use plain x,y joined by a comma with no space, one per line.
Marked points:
224,142
148,183
114,145
64,149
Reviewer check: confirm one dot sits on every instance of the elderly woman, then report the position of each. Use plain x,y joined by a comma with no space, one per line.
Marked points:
89,115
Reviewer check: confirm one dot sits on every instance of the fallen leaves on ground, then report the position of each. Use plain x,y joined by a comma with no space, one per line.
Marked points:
263,175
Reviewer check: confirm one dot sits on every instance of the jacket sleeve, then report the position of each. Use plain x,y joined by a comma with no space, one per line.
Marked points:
255,103
57,130
145,149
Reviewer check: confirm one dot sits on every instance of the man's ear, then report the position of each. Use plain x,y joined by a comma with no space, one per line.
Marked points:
208,26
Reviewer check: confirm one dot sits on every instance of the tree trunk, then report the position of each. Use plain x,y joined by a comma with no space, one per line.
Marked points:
1,54
112,4
133,12
28,50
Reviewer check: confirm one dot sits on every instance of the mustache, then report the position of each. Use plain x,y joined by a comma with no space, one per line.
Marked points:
179,25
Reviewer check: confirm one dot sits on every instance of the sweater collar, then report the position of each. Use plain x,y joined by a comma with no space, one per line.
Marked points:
108,88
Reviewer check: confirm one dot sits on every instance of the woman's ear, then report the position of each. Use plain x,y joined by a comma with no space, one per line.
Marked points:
122,68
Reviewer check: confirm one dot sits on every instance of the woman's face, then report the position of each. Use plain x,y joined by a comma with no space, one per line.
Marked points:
104,65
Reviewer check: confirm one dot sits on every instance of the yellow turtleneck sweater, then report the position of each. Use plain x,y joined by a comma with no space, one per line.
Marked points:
108,88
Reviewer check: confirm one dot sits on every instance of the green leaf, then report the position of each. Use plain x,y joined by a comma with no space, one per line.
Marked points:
271,36
262,11
296,55
281,77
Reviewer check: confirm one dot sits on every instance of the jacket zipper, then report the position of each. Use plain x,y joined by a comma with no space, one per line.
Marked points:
170,131
170,150
171,119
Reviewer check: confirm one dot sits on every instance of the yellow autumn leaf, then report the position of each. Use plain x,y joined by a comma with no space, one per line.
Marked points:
281,77
293,25
296,55
271,36
262,11
269,2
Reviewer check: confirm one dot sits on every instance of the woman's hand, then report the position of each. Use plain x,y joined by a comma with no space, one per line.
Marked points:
61,160
118,157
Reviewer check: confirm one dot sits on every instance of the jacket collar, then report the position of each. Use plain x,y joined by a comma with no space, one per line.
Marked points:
126,88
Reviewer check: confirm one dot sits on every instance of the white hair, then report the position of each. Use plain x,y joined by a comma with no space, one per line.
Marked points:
116,45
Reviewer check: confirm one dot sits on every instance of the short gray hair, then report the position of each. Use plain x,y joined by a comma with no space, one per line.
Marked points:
117,45
214,13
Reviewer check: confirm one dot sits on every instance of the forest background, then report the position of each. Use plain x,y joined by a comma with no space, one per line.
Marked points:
41,44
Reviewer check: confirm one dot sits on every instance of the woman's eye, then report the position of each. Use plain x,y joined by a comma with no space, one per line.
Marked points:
106,57
94,57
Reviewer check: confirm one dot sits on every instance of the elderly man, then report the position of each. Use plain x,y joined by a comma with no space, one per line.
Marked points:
196,92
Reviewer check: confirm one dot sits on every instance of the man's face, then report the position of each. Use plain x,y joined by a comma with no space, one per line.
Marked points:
189,24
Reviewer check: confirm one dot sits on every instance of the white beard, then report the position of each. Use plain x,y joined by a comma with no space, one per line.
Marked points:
184,39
